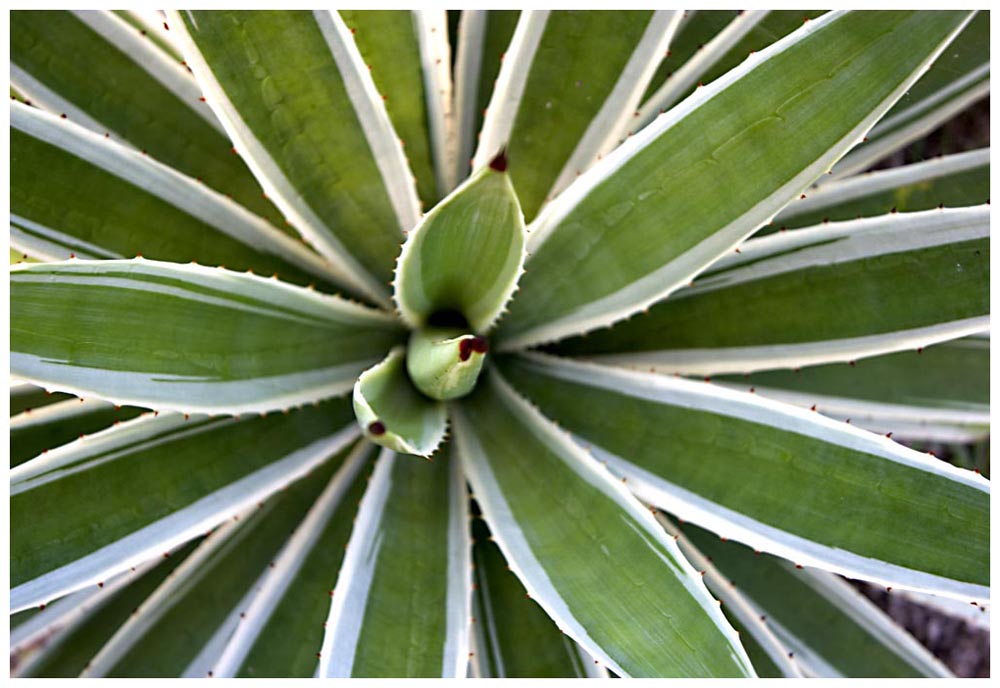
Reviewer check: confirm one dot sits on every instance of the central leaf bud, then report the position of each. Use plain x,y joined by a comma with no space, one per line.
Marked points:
444,363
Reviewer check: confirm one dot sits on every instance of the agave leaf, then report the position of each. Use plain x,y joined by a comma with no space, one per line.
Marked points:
957,80
677,84
958,180
346,188
186,624
973,90
409,57
248,343
204,470
711,42
401,604
466,254
556,108
833,629
63,177
39,430
778,478
832,293
588,553
112,78
483,37
25,396
36,637
513,636
150,25
68,651
772,654
393,413
283,626
645,220
932,393
445,363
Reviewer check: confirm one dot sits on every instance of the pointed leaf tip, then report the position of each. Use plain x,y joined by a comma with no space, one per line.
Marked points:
499,161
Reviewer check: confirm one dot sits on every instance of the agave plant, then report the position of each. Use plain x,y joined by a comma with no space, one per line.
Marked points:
274,419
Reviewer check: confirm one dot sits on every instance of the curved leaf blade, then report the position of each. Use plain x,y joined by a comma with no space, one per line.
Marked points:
347,189
598,253
928,394
589,554
834,630
778,478
391,44
832,293
483,38
766,650
283,627
38,430
68,652
112,77
401,604
514,637
952,181
63,175
958,79
204,470
555,108
249,343
25,396
393,413
466,255
185,625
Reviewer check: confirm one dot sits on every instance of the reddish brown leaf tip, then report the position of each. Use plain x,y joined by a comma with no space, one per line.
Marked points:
470,344
499,163
376,427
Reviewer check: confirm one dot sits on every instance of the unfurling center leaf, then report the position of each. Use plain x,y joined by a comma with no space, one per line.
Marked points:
466,255
445,363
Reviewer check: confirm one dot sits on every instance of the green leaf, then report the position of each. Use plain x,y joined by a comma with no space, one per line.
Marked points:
513,636
409,58
709,45
194,339
832,293
71,648
401,604
36,431
679,72
444,363
588,552
647,218
958,79
951,181
63,175
150,25
346,188
283,628
201,470
766,650
465,255
393,413
113,77
931,393
832,628
556,109
778,478
483,38
183,628
25,396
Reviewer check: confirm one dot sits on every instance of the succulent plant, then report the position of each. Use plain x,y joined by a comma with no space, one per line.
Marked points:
533,344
